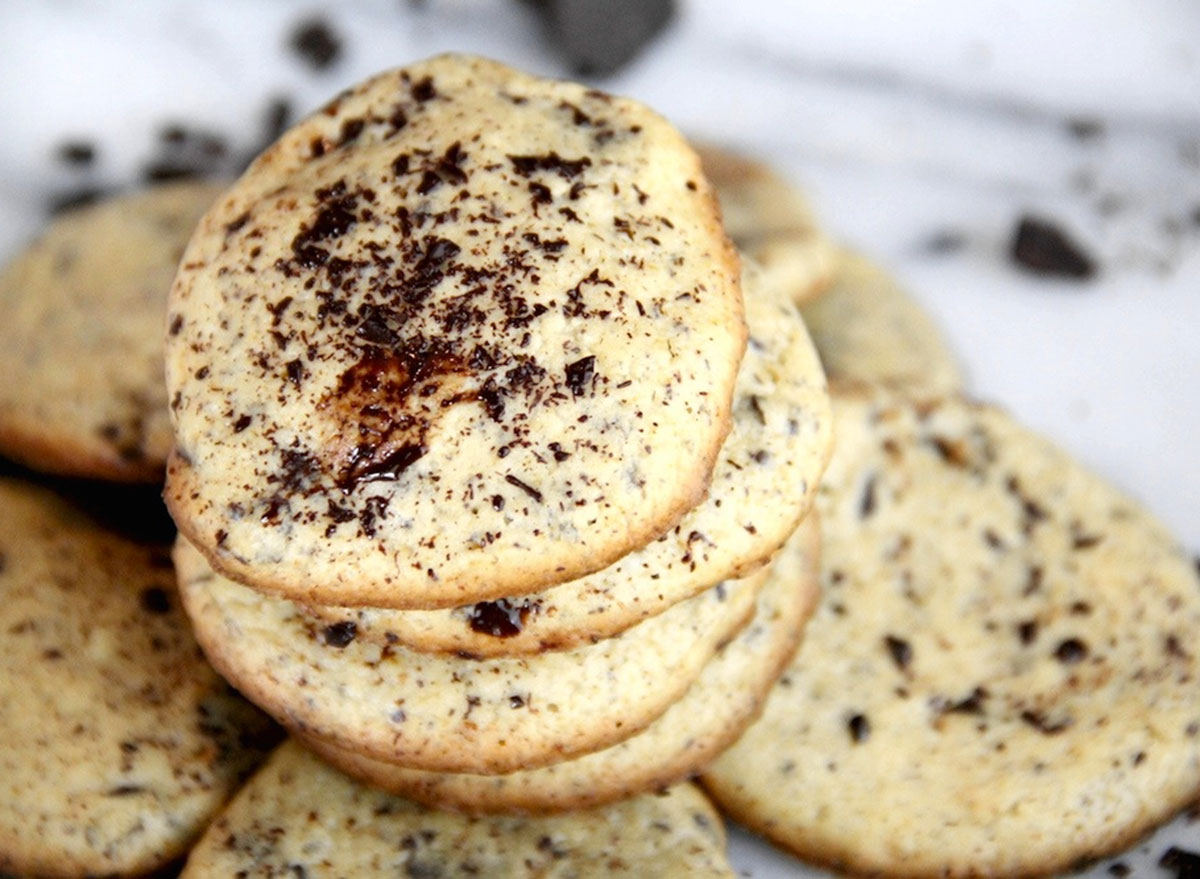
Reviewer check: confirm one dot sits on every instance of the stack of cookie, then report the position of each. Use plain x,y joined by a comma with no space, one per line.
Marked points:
477,474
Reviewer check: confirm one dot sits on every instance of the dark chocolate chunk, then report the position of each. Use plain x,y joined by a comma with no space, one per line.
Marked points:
579,375
600,38
502,618
340,634
1044,249
314,41
860,727
1184,863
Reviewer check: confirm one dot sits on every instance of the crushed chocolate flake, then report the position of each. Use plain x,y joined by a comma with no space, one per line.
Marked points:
339,634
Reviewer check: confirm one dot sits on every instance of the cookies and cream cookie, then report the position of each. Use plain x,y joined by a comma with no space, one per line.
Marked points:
720,704
299,817
464,333
447,713
867,328
81,386
771,222
1001,678
763,484
119,742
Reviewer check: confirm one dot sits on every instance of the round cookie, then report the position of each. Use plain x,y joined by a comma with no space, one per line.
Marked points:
771,222
708,718
120,743
868,329
298,817
446,713
81,387
1001,679
464,333
763,484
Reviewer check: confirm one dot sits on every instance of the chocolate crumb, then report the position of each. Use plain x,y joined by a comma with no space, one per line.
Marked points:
315,42
1044,249
76,152
900,650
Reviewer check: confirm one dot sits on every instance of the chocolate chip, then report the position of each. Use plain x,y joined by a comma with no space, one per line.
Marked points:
579,375
860,727
1043,248
502,618
315,42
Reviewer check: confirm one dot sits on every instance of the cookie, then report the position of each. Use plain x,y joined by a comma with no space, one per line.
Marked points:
299,817
81,387
771,222
120,742
763,484
462,334
724,699
445,713
1001,677
869,329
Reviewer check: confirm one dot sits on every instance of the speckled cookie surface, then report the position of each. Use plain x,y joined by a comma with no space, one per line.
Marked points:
462,334
81,362
710,716
999,679
763,484
770,221
120,743
868,329
447,713
298,817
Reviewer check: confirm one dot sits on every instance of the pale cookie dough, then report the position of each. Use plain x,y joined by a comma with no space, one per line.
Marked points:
1001,679
81,352
462,334
764,483
708,718
118,743
446,713
867,328
300,818
771,222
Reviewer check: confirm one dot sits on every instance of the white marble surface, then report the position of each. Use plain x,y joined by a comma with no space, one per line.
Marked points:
904,124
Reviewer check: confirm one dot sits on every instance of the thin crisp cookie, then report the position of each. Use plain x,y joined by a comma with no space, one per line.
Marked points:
464,333
868,329
120,743
299,817
725,698
1001,677
771,222
446,713
764,483
81,364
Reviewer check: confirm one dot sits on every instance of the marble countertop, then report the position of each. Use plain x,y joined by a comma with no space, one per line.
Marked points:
921,134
